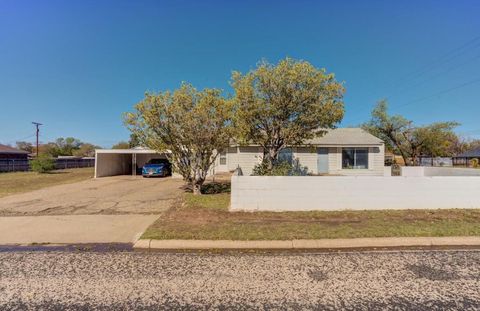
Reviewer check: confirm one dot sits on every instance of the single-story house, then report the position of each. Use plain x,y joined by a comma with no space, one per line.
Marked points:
341,151
465,158
10,153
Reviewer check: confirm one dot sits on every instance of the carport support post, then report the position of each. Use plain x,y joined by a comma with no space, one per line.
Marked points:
134,164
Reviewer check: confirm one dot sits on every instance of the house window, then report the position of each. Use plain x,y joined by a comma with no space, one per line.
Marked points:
285,155
223,158
355,158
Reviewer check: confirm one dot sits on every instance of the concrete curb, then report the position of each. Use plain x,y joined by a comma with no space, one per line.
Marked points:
308,244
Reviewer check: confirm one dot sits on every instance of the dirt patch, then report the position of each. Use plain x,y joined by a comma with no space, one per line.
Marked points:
423,271
21,182
317,275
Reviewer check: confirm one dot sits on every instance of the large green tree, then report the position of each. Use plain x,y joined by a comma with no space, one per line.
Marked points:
62,146
121,145
193,125
86,150
409,140
25,146
285,104
436,138
133,141
460,144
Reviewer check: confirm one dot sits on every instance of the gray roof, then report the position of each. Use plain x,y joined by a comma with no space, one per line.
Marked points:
474,153
4,149
346,136
339,137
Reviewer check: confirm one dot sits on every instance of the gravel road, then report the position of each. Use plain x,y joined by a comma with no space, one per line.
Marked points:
123,280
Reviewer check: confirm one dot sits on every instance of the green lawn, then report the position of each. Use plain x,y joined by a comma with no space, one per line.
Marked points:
11,183
207,217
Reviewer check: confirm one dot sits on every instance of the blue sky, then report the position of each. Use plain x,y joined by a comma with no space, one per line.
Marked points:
76,66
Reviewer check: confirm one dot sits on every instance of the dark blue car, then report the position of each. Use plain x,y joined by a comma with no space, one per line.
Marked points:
157,167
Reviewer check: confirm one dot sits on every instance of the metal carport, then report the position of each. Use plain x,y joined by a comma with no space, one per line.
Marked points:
111,162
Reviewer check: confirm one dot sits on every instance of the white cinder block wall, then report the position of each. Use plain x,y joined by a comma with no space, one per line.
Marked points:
422,171
327,193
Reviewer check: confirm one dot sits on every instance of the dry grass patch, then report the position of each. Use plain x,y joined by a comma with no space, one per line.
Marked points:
207,217
18,182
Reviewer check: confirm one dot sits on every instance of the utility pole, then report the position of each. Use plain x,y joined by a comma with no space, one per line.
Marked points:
38,131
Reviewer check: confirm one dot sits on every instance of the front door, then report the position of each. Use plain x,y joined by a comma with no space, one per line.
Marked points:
322,160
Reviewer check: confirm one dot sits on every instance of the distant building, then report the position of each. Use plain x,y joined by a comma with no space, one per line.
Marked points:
7,153
466,157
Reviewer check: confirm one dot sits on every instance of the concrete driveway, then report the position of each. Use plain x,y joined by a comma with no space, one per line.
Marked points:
108,196
26,230
107,210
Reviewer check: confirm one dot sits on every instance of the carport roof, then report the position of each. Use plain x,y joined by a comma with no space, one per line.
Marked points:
129,151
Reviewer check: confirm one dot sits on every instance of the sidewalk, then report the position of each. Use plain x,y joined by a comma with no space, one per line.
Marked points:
27,230
309,244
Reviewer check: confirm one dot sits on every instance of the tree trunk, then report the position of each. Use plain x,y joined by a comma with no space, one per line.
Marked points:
269,162
405,159
414,160
198,180
197,188
272,157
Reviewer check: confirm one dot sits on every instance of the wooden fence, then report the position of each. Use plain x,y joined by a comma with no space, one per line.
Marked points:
12,165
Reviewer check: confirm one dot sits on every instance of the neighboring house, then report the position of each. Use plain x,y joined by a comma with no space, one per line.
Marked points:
466,157
10,153
343,151
12,159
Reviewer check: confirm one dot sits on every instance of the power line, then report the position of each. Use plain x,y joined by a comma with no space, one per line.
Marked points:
441,61
445,58
20,139
450,69
440,93
471,131
477,80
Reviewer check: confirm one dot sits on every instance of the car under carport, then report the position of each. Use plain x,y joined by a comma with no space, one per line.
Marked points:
112,162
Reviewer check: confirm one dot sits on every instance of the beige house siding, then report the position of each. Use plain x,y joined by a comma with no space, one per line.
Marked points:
334,160
247,157
307,156
232,158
